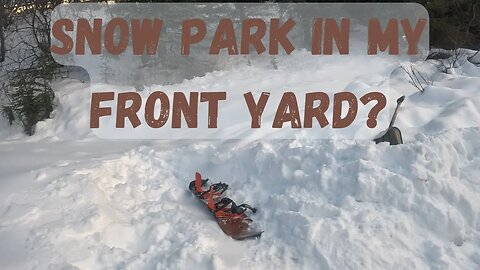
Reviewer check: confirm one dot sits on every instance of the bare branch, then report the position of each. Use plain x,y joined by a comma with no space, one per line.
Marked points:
417,79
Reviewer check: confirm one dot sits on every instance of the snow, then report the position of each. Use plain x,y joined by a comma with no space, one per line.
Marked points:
70,200
305,74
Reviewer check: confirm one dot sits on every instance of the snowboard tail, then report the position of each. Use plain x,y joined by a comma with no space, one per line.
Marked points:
240,230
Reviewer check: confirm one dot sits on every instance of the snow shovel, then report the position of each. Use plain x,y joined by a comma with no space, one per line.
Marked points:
393,135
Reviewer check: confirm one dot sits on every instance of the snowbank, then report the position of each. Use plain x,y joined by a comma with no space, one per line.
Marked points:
69,200
323,205
451,101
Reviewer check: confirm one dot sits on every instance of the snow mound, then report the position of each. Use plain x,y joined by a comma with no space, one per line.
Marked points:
323,205
70,118
72,201
450,101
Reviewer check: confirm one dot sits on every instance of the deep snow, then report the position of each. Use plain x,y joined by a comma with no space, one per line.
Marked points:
70,200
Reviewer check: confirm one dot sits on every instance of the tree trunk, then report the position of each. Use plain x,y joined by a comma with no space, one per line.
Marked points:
2,36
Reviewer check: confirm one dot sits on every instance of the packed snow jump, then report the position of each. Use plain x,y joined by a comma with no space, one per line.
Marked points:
230,217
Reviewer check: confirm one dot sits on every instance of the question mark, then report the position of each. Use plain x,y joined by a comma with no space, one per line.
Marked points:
381,103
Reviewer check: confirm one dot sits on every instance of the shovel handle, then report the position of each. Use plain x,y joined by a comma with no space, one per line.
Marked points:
399,101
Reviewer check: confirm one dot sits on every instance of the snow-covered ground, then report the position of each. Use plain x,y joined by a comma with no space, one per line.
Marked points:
69,200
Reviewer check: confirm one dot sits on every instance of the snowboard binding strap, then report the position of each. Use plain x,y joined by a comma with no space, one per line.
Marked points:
235,211
197,185
218,189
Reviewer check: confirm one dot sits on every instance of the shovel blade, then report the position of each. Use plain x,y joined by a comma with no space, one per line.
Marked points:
393,136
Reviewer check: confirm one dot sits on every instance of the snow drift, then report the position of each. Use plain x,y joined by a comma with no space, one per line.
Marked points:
73,201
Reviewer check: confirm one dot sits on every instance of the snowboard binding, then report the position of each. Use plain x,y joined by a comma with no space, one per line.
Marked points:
221,210
236,209
196,187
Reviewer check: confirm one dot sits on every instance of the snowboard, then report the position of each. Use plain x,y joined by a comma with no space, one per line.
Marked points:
237,226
